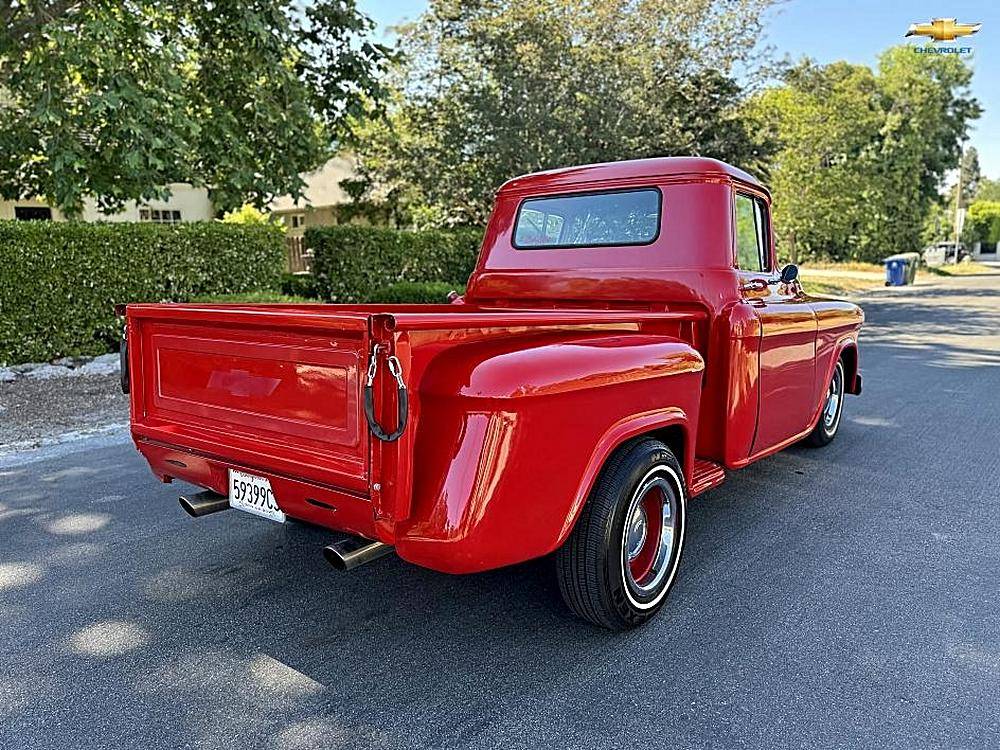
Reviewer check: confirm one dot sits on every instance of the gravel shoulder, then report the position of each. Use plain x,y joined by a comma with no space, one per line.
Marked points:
36,411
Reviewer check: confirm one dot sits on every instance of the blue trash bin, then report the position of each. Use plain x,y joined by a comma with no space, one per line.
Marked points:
895,272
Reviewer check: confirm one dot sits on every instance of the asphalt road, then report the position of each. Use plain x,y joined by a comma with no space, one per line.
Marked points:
842,597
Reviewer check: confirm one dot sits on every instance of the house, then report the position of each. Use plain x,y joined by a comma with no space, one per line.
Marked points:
985,251
322,203
186,203
322,198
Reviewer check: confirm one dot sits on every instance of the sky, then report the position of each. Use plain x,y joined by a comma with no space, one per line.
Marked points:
848,30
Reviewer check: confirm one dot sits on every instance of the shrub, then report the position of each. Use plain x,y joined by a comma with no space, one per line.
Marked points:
982,222
435,292
352,262
59,282
254,298
248,214
299,285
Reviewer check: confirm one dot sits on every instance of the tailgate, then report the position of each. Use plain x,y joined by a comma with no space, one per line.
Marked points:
276,388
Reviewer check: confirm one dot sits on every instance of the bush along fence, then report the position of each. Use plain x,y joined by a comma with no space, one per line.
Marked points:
59,282
370,264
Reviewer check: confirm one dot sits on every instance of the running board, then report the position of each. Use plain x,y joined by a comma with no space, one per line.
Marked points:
707,474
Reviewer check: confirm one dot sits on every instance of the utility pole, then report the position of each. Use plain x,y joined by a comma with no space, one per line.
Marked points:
958,197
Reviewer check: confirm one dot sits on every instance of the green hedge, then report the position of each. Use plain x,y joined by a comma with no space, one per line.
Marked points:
299,285
352,262
416,292
59,282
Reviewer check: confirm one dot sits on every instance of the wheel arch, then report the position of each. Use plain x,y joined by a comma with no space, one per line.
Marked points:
849,353
671,425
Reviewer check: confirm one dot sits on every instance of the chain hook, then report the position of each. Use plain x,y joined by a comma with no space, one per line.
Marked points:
372,366
402,401
397,371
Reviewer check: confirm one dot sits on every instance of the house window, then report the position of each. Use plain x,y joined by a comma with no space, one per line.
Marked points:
297,221
160,215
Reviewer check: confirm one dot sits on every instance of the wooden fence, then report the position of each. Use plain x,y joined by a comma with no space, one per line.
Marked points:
298,258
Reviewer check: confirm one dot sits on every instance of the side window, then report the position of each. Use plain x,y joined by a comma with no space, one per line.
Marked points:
763,234
752,251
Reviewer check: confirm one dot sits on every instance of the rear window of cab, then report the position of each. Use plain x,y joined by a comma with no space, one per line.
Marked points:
600,219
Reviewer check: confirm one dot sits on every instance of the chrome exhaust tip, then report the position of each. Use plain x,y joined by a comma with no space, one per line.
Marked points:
354,551
204,503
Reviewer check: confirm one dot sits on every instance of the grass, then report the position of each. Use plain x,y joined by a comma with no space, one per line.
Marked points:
853,265
836,286
959,269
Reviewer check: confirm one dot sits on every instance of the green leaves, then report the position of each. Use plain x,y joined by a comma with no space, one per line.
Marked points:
496,88
982,223
59,282
862,152
353,263
115,100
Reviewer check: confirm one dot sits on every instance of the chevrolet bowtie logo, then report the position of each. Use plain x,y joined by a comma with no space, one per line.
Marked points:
943,29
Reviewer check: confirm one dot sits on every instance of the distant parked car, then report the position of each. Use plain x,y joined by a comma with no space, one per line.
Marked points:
945,252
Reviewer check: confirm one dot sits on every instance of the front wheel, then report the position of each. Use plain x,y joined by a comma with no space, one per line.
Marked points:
621,558
833,406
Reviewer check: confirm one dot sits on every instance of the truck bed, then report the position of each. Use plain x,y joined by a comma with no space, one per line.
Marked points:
277,389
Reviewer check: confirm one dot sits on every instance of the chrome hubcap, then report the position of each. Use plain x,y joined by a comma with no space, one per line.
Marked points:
638,527
831,411
651,529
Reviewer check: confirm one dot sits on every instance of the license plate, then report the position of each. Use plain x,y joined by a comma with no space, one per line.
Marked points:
254,495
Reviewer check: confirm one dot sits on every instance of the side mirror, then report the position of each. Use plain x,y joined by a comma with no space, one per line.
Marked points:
789,273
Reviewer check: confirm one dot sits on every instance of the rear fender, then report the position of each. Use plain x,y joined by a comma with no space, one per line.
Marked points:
513,433
618,434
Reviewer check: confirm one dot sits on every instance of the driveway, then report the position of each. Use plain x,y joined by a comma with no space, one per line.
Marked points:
843,597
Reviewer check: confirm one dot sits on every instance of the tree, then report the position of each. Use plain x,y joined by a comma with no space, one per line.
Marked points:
117,99
982,223
988,190
863,153
970,175
939,224
495,88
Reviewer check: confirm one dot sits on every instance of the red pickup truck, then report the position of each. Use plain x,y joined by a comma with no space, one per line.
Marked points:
625,339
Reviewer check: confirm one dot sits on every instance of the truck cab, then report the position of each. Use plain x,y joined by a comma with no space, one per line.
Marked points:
625,339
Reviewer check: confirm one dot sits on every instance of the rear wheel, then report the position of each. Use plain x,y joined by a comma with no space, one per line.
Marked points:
833,406
621,558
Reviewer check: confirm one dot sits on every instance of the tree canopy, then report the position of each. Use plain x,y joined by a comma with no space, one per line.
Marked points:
988,190
982,223
490,89
115,100
862,152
